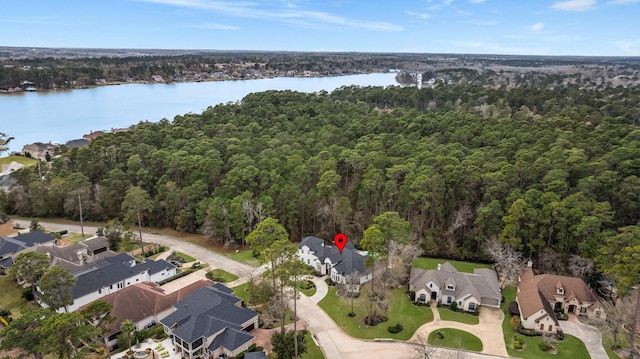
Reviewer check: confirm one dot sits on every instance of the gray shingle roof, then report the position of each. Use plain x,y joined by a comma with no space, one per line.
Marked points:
255,355
231,339
205,312
345,263
33,238
10,246
113,270
483,283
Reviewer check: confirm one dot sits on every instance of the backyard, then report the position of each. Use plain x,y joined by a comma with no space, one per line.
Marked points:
11,296
401,310
569,348
432,263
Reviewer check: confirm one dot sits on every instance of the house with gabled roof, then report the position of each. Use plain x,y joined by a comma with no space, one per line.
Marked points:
111,274
145,304
10,247
210,322
539,296
327,260
447,285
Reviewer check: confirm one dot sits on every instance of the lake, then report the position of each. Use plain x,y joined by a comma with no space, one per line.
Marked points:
60,116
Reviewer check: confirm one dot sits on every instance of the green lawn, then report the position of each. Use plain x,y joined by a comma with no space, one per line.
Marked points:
241,292
457,339
20,159
313,351
185,257
570,348
400,310
11,296
308,292
245,256
222,276
611,354
77,237
462,317
432,263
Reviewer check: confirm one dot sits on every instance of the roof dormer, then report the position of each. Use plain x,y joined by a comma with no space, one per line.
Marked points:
450,284
559,288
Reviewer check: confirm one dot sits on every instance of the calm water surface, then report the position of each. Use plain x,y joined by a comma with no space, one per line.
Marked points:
62,116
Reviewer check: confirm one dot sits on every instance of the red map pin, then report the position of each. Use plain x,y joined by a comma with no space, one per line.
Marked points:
340,240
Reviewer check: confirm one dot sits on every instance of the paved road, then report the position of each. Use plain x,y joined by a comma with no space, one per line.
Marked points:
332,340
590,336
216,260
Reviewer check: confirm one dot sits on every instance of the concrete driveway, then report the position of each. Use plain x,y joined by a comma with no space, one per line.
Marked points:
488,330
590,336
331,339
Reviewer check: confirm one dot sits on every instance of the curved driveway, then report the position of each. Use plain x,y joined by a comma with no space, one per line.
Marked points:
332,340
590,336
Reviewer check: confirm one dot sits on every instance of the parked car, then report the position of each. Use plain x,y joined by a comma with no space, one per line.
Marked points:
176,263
196,265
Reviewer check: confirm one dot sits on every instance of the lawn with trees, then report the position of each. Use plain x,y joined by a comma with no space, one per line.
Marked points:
400,310
456,339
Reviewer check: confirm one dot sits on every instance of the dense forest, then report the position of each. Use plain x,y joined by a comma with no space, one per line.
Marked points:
555,171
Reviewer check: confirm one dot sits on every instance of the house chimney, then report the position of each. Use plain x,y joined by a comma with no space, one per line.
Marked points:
529,264
439,265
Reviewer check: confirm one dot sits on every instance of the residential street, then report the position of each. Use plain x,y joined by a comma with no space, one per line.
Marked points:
332,340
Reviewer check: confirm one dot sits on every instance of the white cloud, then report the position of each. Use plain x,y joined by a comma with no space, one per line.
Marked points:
629,47
537,26
477,1
622,2
214,26
447,2
248,9
423,16
574,5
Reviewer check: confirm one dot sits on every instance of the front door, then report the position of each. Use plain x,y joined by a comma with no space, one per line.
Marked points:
434,295
572,308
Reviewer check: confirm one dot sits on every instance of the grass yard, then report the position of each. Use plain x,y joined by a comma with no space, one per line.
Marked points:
20,159
313,351
245,256
222,276
611,354
241,292
308,292
11,296
462,317
432,263
456,339
570,348
400,310
185,257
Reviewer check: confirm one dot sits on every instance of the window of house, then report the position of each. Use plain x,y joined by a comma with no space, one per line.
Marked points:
423,297
472,306
541,326
450,287
448,300
560,290
99,291
430,285
550,327
583,310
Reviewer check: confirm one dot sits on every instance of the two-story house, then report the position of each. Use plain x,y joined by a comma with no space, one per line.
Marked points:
327,260
210,323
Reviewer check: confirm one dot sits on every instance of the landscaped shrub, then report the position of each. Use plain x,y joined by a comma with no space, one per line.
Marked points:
529,332
453,306
439,335
544,346
412,295
517,344
395,328
515,323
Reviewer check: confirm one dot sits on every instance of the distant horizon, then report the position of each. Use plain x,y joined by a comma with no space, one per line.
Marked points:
605,28
312,51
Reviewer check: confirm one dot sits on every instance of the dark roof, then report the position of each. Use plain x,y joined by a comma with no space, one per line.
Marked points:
345,263
206,312
33,238
9,246
78,143
255,355
223,288
6,262
231,339
115,272
95,243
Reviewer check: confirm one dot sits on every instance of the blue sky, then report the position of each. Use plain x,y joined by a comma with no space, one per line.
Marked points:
531,27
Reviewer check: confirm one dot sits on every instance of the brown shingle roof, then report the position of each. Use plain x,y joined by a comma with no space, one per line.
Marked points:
6,229
142,300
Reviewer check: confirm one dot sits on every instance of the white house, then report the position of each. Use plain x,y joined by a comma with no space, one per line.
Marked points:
447,285
539,296
112,274
327,260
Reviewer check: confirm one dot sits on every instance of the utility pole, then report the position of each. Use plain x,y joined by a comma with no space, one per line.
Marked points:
81,224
